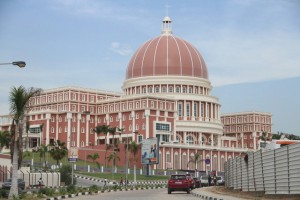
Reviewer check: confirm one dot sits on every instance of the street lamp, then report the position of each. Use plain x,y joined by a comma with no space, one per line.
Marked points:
20,64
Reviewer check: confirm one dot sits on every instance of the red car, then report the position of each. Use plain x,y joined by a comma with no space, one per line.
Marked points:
179,182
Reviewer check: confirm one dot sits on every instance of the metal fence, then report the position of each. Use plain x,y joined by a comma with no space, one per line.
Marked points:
273,172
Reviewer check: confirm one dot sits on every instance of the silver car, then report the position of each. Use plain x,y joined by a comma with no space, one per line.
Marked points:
7,184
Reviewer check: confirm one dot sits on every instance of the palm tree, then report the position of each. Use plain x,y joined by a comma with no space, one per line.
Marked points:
58,151
113,130
113,156
105,130
107,147
5,138
93,157
43,149
195,159
264,137
134,147
19,100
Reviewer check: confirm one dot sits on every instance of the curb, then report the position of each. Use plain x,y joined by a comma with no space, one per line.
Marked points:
205,196
98,192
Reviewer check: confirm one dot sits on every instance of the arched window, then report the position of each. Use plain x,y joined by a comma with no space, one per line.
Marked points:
178,89
190,90
164,89
176,161
170,89
150,89
215,163
189,139
157,89
184,161
192,161
184,89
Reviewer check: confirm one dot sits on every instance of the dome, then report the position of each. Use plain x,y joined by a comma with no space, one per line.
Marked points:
166,55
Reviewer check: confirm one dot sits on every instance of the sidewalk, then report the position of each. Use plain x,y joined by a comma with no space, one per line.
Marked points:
204,193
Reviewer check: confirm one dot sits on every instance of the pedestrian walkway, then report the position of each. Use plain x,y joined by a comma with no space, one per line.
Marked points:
204,193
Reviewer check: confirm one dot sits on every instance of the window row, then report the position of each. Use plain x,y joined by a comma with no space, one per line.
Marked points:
167,89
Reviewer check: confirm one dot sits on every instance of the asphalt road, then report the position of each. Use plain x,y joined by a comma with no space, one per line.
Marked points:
150,194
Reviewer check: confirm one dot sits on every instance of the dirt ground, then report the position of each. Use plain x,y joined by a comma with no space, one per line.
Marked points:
251,195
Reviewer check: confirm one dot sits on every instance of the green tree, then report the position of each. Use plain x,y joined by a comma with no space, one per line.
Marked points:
5,138
134,148
105,130
43,150
195,159
58,151
113,157
66,175
19,100
93,157
264,137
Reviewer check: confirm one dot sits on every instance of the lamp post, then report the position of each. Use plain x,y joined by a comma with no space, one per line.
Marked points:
20,64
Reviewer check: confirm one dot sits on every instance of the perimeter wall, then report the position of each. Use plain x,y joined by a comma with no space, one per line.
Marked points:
273,172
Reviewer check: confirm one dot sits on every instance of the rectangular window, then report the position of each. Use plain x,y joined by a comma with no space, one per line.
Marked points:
188,109
195,109
140,138
179,109
202,109
162,127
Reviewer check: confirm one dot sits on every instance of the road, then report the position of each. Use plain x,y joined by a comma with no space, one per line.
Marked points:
151,194
87,183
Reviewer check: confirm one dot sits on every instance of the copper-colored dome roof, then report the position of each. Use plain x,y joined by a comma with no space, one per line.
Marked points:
166,55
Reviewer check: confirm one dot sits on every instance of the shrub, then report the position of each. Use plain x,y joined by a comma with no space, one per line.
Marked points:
46,191
66,175
71,189
93,188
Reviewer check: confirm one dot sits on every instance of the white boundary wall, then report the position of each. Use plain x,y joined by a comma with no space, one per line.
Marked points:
274,172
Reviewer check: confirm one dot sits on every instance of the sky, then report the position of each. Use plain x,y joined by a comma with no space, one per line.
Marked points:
251,47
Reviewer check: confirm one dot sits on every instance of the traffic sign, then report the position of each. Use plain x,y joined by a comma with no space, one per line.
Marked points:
207,161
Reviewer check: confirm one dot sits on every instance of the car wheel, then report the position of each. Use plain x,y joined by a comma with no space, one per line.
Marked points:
169,191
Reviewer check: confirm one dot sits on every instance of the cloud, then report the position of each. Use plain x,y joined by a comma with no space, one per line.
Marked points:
121,49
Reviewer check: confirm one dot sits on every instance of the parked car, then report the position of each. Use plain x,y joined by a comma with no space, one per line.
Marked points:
7,184
179,182
191,179
220,180
197,182
204,180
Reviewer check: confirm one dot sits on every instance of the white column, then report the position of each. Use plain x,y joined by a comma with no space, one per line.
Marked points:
242,138
184,137
184,109
200,139
69,118
254,140
193,109
88,117
163,158
147,115
57,127
133,125
219,162
212,140
48,117
77,131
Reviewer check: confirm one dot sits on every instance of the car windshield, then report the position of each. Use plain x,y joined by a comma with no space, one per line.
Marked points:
204,177
219,178
178,177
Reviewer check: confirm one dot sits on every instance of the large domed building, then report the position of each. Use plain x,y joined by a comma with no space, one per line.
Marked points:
166,97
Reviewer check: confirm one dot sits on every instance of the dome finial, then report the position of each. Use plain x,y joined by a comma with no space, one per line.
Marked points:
166,26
